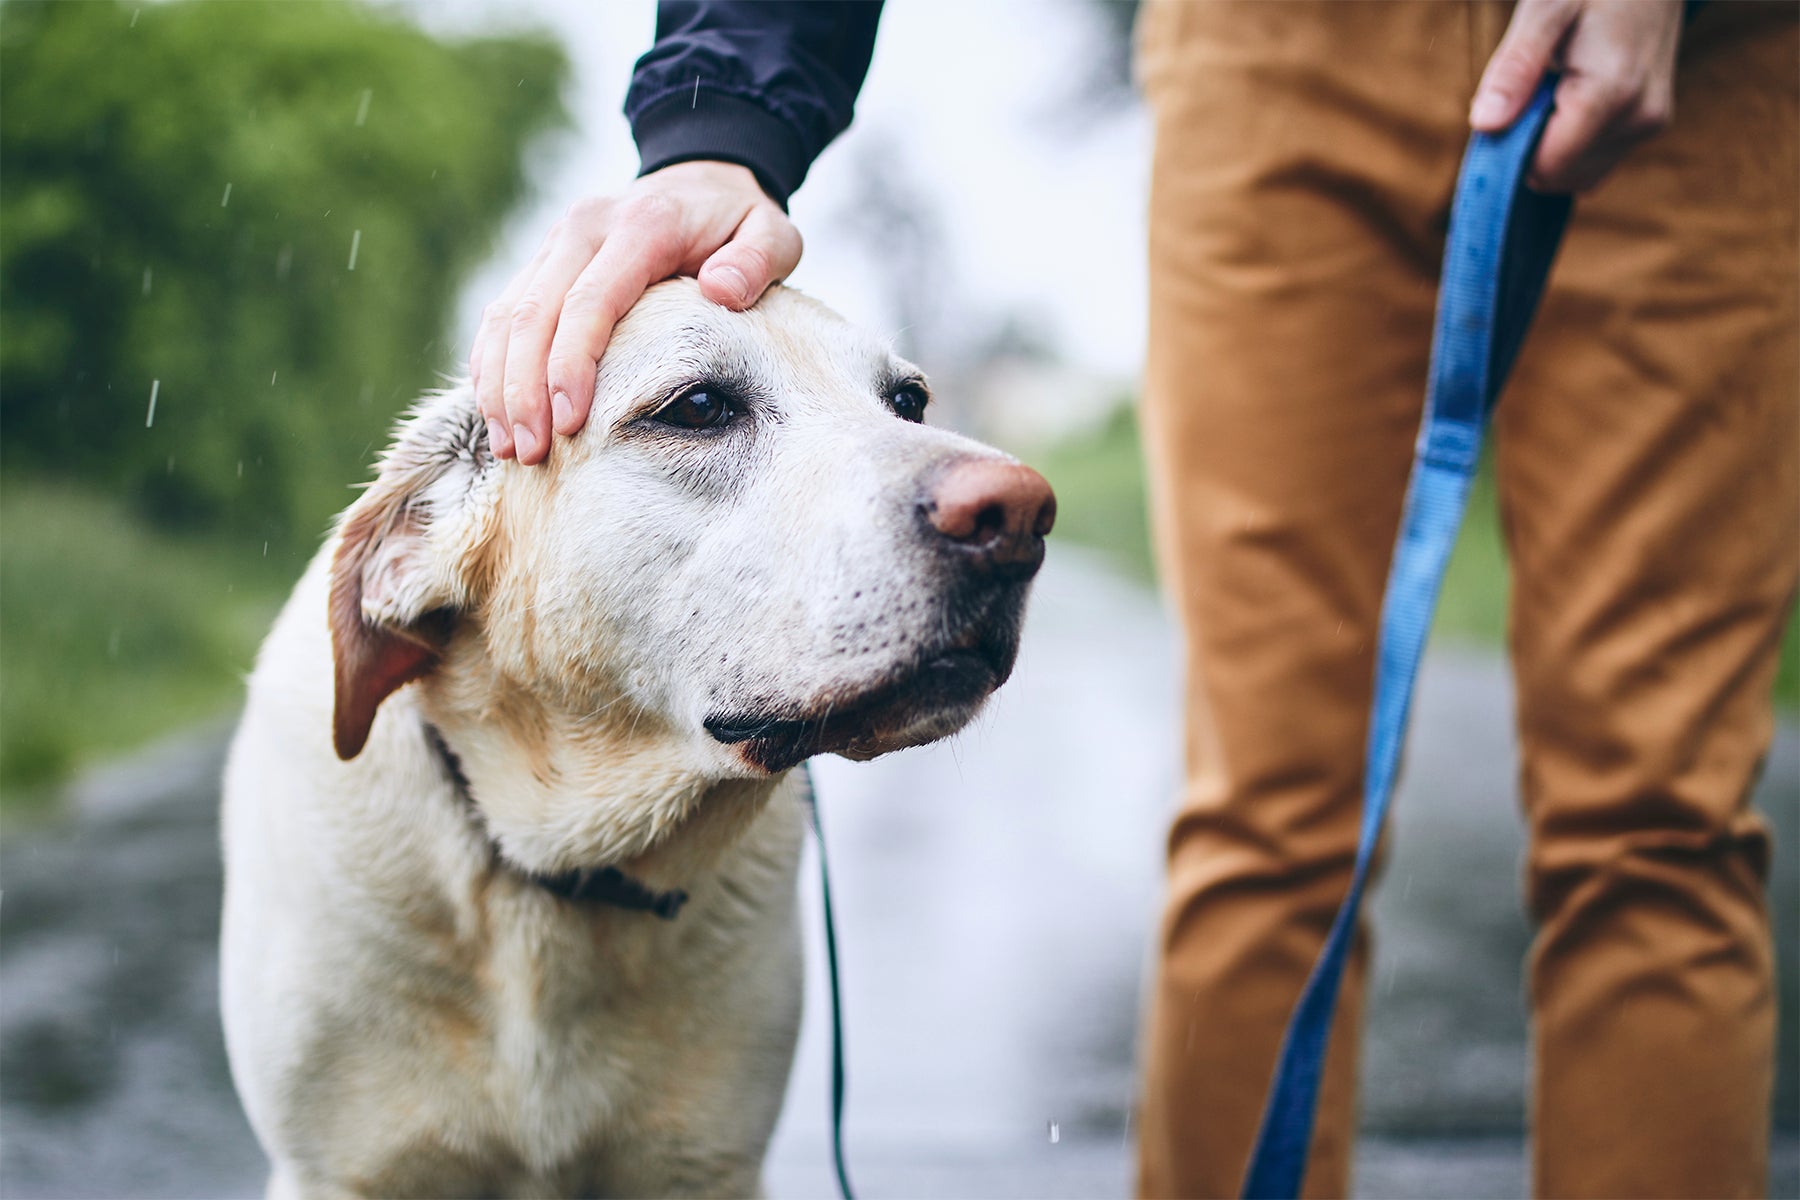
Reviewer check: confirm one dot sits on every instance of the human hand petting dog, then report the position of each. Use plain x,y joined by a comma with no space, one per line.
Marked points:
1617,59
539,344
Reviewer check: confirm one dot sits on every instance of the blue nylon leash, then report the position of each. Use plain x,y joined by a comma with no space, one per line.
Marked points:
837,1004
1502,239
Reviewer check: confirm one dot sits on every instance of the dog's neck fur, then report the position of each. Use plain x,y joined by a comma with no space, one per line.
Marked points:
561,793
604,885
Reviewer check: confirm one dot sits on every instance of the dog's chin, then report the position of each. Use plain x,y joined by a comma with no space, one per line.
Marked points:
930,700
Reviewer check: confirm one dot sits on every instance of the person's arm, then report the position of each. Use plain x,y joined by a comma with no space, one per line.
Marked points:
764,85
1617,59
729,109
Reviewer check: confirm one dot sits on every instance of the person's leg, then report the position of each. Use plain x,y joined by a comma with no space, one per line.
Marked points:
1649,457
1304,159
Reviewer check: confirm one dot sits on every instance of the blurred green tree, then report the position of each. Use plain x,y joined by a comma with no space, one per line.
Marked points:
253,217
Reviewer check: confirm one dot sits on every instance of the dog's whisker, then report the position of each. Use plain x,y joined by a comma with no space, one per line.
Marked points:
594,712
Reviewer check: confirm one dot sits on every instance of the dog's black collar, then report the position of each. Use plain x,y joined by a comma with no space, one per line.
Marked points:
592,885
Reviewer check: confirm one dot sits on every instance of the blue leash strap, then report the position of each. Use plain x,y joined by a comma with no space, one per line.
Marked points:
1502,239
837,1003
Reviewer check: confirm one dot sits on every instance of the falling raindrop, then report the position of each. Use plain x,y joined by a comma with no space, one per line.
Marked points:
226,198
362,108
148,275
272,375
240,468
355,244
265,549
134,17
1055,1133
283,261
150,417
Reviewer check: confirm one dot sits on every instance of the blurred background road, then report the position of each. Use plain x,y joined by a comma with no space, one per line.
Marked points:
236,239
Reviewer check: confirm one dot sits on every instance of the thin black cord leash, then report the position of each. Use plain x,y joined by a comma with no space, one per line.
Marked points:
837,1004
1503,238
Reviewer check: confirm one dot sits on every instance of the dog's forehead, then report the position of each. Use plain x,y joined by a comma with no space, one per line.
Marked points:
674,335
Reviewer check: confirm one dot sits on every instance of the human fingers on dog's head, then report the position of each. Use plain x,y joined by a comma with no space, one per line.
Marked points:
486,362
762,251
487,359
570,248
646,245
539,348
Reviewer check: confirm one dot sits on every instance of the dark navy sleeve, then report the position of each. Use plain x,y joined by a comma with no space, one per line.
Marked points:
763,83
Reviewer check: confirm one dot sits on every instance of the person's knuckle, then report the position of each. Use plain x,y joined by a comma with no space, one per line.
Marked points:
1554,15
650,209
519,397
586,296
754,261
565,370
1517,67
1581,114
1616,96
1654,114
792,243
1513,63
662,244
530,310
587,212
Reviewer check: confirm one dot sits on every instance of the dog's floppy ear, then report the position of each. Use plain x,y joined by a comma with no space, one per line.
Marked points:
399,574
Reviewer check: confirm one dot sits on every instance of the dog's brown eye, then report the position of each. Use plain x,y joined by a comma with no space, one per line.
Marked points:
698,409
909,402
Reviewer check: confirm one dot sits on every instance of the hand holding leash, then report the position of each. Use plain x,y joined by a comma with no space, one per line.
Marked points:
1617,61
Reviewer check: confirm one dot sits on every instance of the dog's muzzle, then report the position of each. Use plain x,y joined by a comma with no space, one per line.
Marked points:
984,520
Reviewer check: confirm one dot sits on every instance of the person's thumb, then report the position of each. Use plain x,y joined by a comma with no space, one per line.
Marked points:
765,248
1519,63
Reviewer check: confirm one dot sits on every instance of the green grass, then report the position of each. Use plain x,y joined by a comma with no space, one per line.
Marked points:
112,632
1099,481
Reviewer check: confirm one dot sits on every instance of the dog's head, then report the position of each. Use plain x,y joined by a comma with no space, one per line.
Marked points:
755,544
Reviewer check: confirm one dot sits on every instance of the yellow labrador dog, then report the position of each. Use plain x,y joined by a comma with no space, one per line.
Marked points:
512,822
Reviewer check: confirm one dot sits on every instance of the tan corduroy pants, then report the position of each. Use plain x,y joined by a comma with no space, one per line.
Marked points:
1648,455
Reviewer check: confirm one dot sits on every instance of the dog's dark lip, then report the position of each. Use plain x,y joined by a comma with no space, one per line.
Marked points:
955,677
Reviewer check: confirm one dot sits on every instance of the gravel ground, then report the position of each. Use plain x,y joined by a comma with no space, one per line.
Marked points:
994,897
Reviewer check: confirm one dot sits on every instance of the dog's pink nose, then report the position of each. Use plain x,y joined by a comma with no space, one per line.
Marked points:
996,511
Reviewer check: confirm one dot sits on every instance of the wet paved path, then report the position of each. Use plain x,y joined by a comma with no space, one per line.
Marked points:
995,897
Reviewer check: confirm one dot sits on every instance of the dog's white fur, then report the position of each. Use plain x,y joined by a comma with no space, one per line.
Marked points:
407,1012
